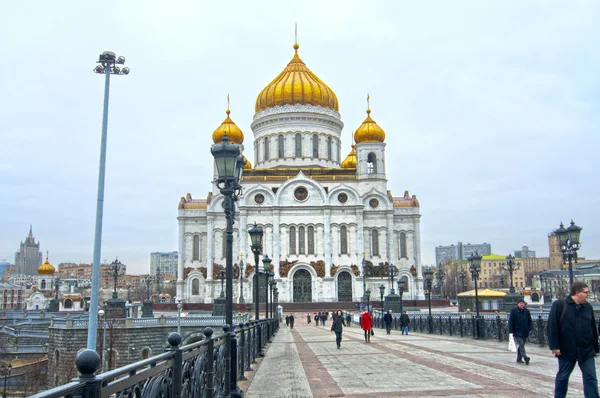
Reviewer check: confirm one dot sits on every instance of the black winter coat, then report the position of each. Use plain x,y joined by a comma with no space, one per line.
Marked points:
519,322
338,321
387,318
573,332
404,320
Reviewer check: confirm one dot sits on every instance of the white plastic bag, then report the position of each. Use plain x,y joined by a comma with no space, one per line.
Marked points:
511,343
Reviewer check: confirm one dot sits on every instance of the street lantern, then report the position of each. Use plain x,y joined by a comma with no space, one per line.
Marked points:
393,273
381,293
229,169
256,236
510,266
222,277
401,287
267,264
368,297
440,276
116,271
428,274
568,239
475,267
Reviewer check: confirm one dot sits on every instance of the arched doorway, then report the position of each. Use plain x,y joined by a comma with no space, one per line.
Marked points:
344,286
302,286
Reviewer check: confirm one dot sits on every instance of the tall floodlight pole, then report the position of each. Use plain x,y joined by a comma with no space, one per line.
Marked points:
108,63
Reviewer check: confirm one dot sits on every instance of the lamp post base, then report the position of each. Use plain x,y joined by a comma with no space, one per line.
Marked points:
392,303
219,306
147,309
510,301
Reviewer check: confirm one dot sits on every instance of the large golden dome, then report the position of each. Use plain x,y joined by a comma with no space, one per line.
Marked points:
296,84
46,268
228,127
350,161
369,131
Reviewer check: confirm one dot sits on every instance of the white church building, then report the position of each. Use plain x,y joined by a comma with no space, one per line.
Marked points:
321,212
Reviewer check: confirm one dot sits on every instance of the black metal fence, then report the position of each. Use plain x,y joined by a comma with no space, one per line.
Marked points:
491,326
208,368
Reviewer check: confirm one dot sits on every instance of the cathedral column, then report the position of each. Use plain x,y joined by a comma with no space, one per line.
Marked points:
276,243
417,249
242,233
209,247
180,259
327,240
390,237
360,235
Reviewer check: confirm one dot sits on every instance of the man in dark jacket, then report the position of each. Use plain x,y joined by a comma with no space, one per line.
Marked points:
519,324
292,319
573,337
404,322
387,319
348,319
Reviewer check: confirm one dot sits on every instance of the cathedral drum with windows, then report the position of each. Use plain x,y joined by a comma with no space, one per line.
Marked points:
321,215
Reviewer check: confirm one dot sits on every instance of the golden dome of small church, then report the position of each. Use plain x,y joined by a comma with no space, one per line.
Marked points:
322,213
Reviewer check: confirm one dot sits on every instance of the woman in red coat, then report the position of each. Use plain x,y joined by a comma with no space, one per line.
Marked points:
366,322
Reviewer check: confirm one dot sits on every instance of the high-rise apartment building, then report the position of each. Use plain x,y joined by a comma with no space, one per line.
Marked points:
460,252
167,261
525,252
29,257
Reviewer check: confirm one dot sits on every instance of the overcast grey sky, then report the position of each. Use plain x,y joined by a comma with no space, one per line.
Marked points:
491,111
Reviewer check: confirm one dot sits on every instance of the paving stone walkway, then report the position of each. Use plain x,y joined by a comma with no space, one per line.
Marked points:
304,362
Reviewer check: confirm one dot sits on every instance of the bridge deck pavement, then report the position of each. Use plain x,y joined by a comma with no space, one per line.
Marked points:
304,362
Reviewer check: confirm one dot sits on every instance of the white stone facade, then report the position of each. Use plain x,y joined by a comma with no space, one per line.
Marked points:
301,196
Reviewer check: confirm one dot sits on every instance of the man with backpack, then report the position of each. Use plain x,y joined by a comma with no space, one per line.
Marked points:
573,337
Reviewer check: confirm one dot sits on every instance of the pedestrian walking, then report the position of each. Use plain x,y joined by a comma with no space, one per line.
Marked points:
404,322
323,318
287,320
387,319
366,323
337,327
348,319
573,337
291,321
308,318
519,324
317,318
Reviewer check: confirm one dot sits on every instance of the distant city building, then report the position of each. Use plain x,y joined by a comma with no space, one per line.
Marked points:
167,261
29,257
4,264
556,255
84,271
493,275
14,296
524,252
460,252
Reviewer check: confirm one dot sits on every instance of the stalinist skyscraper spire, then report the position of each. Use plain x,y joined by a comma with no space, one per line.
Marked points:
29,257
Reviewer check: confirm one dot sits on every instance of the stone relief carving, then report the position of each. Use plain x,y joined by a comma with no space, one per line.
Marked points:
285,266
297,108
355,269
216,269
334,269
203,271
249,269
319,266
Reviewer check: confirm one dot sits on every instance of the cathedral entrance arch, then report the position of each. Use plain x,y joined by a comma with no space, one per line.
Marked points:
344,286
302,286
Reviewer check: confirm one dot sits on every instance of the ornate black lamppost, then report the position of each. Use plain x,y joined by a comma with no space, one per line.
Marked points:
368,297
381,293
401,286
115,268
242,279
393,273
568,240
5,371
272,285
462,275
440,276
222,277
510,300
276,299
502,279
147,306
267,263
158,279
256,236
230,167
428,274
475,267
364,275
510,266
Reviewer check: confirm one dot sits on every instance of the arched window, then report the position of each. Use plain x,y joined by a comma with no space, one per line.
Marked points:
372,163
301,237
292,240
68,304
145,353
43,284
280,145
344,240
315,145
403,245
267,149
329,148
311,240
195,287
298,145
196,248
375,242
224,245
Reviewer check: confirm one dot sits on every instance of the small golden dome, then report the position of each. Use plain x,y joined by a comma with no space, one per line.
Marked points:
231,129
46,268
296,84
247,165
369,131
350,161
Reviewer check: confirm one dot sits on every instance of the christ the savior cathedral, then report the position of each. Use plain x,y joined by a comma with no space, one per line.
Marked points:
322,213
